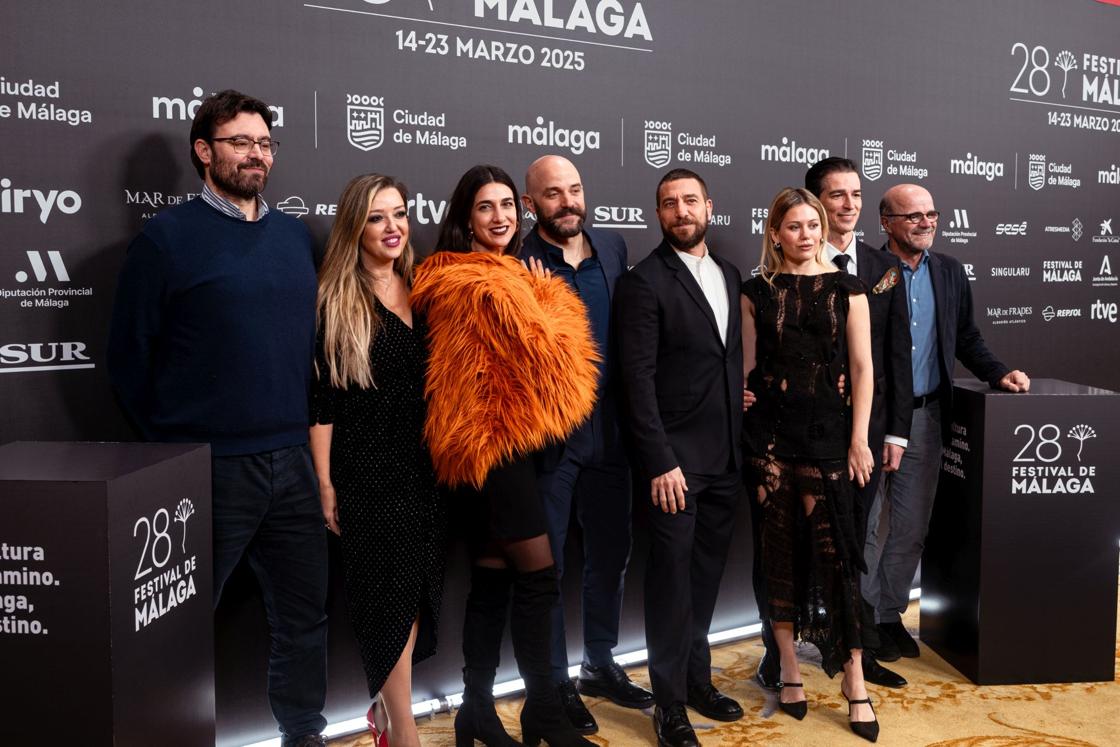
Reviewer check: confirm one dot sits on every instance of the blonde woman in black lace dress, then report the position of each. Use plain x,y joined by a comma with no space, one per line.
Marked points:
806,325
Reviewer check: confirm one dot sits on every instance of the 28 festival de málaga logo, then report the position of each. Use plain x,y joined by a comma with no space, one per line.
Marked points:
164,577
1082,85
1053,459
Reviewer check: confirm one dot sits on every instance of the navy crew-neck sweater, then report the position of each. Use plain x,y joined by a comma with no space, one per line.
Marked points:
213,330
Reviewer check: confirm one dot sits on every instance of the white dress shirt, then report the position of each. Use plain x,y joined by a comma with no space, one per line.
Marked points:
712,283
830,251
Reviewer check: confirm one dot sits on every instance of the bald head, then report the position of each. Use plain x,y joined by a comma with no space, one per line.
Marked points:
902,193
554,192
908,238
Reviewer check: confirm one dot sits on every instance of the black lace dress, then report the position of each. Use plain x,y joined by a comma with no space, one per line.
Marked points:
796,437
392,518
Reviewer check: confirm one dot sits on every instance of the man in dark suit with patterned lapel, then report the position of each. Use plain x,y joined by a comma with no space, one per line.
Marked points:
587,475
942,332
680,351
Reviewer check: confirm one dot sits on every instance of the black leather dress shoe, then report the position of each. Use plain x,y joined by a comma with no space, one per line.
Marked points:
769,672
611,682
673,728
710,702
887,649
582,720
897,632
307,740
877,674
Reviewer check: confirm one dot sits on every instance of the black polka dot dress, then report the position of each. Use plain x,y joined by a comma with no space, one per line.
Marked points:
392,519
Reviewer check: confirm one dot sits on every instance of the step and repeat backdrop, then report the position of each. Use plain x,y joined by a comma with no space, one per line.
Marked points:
1008,111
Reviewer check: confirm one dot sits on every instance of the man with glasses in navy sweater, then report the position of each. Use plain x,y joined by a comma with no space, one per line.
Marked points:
212,341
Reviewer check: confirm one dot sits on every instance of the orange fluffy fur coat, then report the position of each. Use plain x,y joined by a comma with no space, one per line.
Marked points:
512,362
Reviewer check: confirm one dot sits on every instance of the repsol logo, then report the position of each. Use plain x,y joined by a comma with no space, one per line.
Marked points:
164,107
549,134
15,200
790,152
609,17
973,166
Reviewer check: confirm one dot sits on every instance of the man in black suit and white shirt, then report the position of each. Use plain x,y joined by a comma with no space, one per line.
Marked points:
681,357
942,332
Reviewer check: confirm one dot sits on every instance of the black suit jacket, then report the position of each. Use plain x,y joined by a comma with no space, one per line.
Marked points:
682,384
958,337
893,403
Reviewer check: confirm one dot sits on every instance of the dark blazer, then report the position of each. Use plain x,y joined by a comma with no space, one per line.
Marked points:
893,402
682,385
957,335
610,249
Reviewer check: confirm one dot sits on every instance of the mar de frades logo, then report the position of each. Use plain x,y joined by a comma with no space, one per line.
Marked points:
658,143
365,121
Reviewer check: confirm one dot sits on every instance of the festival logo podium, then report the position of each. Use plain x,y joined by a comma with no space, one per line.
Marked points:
106,632
1019,569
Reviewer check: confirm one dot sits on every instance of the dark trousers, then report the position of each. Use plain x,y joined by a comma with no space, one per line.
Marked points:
597,489
865,500
266,507
687,555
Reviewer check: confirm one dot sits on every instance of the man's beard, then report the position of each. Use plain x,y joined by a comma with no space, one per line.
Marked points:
229,177
553,228
688,242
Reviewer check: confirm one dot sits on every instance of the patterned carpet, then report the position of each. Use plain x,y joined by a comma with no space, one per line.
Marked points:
939,708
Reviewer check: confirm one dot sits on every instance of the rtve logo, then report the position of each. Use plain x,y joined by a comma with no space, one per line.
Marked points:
1103,310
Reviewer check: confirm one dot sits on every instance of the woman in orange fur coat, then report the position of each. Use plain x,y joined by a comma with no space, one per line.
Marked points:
512,367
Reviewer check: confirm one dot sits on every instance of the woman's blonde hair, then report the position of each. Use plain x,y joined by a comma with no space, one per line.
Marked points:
346,313
789,198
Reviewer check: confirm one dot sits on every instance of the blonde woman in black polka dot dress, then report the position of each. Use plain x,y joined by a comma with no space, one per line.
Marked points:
376,480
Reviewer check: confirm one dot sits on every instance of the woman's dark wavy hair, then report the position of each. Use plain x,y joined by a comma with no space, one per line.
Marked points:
454,234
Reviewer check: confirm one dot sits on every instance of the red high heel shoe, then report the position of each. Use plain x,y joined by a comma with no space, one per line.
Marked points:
380,738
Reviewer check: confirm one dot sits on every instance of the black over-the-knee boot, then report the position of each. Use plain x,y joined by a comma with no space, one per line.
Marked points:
543,716
485,619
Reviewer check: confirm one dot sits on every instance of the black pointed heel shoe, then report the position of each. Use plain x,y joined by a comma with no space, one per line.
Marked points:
868,730
798,708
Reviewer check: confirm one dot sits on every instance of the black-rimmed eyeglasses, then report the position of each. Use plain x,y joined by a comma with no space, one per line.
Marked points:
931,216
242,145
